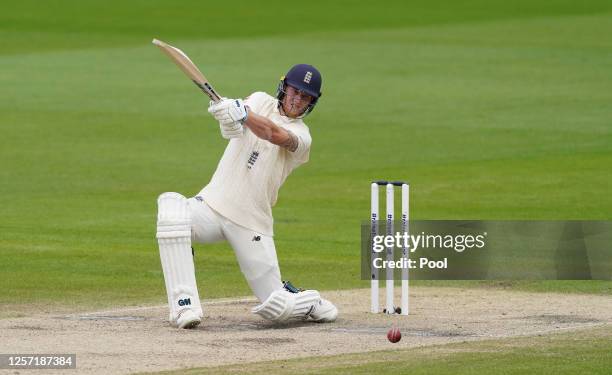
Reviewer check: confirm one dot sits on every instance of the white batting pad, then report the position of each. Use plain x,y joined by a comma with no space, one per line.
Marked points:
324,311
174,239
283,305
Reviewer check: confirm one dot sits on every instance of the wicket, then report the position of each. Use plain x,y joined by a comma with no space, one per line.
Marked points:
389,285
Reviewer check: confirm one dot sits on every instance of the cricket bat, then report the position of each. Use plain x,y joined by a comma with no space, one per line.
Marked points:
189,68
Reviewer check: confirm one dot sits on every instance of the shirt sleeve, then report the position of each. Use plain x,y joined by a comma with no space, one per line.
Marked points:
255,101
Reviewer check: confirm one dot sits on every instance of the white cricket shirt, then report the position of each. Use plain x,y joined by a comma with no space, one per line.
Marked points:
245,185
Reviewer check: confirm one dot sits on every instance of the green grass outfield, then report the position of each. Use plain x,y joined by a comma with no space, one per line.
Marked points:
492,110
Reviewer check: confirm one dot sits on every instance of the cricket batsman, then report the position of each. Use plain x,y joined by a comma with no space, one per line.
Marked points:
267,141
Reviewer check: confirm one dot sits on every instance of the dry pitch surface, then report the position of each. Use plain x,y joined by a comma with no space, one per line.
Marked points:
139,339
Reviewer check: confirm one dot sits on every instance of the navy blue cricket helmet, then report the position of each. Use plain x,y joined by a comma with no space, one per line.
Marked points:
305,78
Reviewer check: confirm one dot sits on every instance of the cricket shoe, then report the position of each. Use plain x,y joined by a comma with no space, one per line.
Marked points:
324,312
188,319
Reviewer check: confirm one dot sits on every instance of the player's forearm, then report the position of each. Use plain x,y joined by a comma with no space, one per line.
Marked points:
266,129
262,127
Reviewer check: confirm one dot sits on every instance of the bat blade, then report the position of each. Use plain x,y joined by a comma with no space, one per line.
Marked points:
189,68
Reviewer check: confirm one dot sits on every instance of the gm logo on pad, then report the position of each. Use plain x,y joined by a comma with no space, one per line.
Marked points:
184,302
307,77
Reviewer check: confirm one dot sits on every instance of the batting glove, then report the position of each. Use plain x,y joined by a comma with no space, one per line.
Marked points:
237,110
218,109
231,129
233,109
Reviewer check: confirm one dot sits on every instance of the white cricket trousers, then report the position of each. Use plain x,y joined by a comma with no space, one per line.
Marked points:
254,251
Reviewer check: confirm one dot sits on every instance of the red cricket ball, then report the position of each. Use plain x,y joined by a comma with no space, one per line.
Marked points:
394,335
